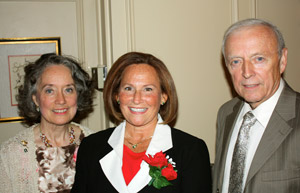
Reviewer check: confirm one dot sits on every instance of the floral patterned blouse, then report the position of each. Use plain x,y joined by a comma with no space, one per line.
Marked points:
56,167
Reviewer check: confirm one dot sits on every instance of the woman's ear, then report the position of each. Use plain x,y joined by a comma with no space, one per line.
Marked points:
164,98
117,99
35,100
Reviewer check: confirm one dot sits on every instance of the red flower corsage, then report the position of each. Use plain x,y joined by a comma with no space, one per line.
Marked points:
161,170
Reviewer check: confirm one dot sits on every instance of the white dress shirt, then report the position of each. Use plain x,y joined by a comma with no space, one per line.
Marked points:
262,113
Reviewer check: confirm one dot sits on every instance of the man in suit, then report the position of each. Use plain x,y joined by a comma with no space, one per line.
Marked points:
256,56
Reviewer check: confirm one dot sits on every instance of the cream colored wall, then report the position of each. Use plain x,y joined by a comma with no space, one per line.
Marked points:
186,35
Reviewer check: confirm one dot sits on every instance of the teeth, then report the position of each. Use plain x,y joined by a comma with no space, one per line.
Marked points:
60,111
137,110
252,85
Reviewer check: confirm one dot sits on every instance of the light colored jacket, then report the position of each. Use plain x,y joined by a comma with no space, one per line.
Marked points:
276,163
18,164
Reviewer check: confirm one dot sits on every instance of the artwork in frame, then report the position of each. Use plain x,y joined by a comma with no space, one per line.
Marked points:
15,53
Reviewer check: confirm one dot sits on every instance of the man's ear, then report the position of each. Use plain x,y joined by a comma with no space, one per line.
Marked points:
283,60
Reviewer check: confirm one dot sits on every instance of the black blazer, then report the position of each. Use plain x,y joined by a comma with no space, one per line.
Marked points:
189,153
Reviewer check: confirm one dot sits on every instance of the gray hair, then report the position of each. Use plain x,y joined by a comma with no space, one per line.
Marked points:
254,22
33,71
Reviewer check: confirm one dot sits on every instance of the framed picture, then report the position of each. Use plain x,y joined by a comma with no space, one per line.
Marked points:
15,53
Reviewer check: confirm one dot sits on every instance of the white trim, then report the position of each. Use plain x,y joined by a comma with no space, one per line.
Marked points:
234,11
108,33
130,25
253,8
100,39
80,29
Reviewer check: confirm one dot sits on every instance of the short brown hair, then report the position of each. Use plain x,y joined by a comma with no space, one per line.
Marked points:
112,83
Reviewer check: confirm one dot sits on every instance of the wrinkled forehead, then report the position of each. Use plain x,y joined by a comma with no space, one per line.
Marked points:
259,34
258,31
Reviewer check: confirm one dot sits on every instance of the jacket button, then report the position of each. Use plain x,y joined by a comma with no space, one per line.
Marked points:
218,191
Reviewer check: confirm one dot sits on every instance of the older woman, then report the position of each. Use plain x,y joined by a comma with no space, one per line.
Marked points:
143,153
42,158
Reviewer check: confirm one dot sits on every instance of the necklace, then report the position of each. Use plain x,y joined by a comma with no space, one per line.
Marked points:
134,145
47,142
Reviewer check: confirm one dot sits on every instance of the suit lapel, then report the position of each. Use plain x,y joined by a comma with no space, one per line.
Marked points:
228,128
111,164
276,131
230,123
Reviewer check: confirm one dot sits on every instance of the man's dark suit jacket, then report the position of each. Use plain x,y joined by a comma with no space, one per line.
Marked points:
276,164
189,153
